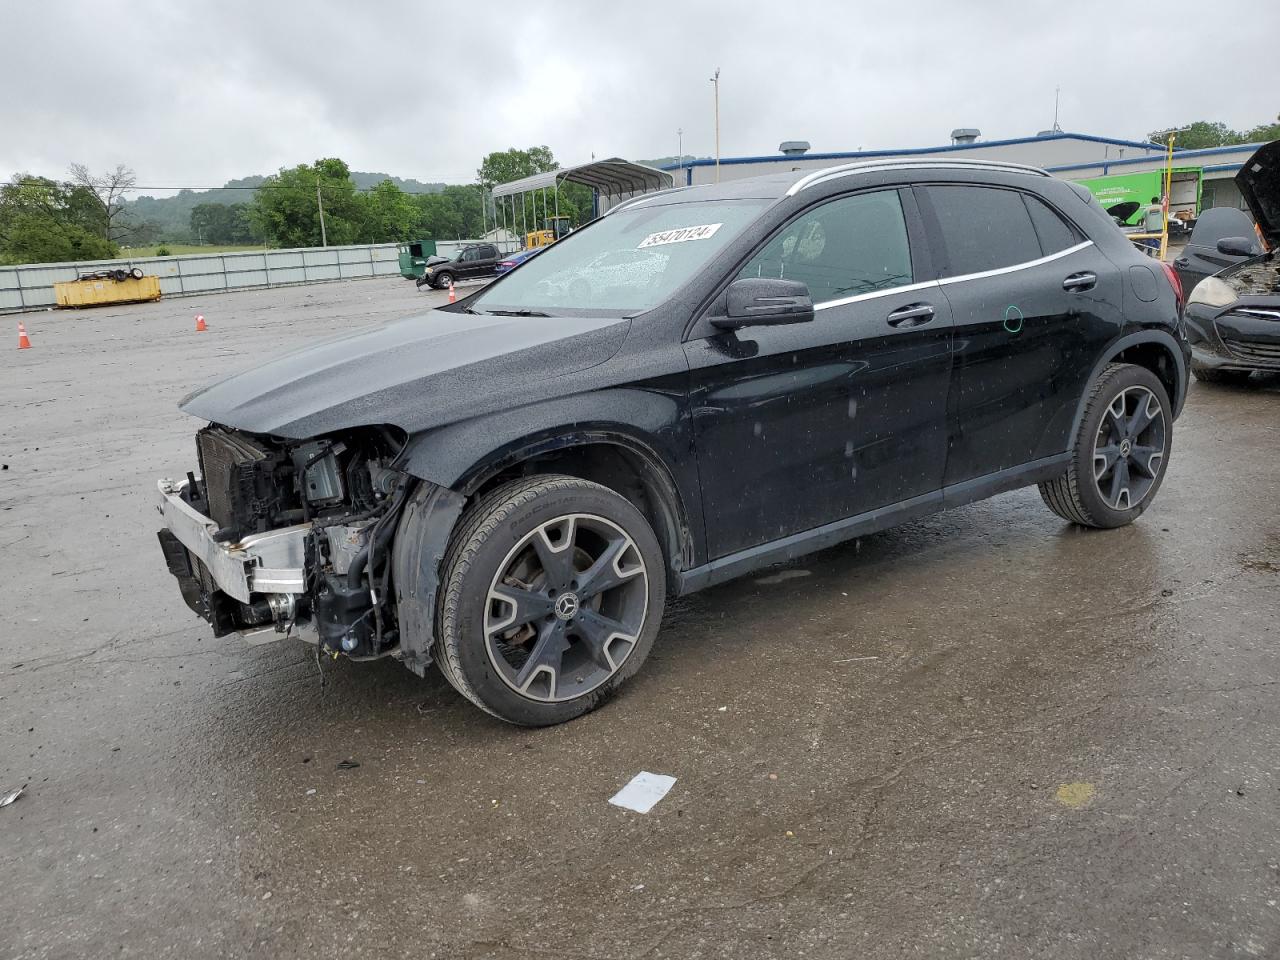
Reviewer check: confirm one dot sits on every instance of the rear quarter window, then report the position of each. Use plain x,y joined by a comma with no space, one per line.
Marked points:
1054,232
982,228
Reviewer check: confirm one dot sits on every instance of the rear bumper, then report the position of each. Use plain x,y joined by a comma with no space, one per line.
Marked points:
231,585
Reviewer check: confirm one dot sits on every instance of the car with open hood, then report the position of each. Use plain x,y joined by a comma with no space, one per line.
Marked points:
700,383
1233,317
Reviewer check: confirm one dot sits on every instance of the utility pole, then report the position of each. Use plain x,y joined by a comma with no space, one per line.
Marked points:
715,81
680,151
324,237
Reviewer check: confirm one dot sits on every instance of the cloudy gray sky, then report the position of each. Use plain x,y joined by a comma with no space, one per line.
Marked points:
194,94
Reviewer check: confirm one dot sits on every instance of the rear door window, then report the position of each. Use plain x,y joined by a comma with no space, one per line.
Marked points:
1055,233
842,248
982,228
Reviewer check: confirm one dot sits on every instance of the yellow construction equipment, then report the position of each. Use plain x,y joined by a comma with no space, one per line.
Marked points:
553,229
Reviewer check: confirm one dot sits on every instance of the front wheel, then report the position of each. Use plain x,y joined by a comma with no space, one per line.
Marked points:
1120,453
552,595
442,281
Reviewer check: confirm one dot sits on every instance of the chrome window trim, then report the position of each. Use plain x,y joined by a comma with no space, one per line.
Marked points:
873,294
866,166
906,288
1018,266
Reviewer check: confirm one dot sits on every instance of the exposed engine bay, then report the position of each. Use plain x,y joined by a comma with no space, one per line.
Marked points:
288,537
1258,278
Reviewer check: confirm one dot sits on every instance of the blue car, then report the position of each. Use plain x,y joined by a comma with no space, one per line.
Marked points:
511,261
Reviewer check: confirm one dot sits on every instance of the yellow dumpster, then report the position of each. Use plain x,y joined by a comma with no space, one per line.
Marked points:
94,292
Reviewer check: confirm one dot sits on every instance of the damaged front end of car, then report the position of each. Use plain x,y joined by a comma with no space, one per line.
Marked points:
275,537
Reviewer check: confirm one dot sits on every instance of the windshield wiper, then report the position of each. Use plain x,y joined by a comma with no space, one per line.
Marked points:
516,313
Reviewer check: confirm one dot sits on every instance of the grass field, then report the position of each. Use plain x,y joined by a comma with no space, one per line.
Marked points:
175,249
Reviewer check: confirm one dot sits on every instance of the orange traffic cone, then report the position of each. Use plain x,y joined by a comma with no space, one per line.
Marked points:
453,297
23,342
200,327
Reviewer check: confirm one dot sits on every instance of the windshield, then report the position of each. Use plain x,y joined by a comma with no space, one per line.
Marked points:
626,261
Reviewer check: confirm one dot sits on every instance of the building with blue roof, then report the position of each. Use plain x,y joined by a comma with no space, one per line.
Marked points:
1072,156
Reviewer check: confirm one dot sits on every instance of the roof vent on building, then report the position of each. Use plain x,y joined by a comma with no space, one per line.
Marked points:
965,134
793,148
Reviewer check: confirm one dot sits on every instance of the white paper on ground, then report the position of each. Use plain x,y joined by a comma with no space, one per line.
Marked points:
644,790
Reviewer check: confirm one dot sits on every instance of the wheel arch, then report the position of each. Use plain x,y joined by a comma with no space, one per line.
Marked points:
615,438
1157,351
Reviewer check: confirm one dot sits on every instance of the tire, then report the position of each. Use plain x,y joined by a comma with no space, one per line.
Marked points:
442,281
1218,375
525,662
1117,463
136,273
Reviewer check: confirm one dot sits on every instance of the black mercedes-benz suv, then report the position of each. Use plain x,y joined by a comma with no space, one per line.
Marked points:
512,486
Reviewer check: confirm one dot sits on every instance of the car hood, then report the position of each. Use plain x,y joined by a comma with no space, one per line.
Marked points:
435,258
414,373
1123,211
1259,182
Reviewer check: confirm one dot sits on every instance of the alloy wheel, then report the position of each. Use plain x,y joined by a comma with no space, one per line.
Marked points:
1128,451
566,607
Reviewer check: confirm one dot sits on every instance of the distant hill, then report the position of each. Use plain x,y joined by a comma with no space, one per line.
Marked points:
169,218
367,181
663,161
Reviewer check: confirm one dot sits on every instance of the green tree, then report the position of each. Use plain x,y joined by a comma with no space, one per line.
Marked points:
222,223
286,212
389,214
1264,132
1214,133
503,166
436,218
42,221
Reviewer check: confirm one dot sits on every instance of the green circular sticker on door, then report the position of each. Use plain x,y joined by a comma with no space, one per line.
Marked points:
1013,319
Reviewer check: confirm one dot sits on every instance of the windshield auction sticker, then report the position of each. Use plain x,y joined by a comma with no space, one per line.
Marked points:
680,235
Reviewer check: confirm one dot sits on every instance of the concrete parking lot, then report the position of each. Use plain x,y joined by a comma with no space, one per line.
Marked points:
982,734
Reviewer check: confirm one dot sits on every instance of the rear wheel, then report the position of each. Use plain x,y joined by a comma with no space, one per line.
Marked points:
552,595
1218,375
1120,452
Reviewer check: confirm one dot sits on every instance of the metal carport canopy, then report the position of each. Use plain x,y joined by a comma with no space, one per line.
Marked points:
611,177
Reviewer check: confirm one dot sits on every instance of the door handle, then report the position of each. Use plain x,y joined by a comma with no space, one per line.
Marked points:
1078,282
912,315
1182,262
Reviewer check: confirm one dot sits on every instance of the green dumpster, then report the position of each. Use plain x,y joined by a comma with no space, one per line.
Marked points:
413,258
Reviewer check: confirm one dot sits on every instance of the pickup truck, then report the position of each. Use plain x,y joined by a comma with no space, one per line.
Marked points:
477,260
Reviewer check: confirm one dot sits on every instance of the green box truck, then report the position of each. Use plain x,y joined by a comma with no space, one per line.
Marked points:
1126,196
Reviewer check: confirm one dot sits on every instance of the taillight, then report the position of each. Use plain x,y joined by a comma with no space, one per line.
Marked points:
1175,281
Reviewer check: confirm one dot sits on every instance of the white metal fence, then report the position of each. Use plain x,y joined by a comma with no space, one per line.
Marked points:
30,286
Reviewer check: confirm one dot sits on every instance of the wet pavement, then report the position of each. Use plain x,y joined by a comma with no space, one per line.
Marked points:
982,734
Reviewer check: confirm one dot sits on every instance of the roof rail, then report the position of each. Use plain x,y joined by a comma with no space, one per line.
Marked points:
905,163
643,198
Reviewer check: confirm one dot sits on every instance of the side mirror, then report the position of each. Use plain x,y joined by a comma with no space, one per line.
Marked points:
756,302
1237,247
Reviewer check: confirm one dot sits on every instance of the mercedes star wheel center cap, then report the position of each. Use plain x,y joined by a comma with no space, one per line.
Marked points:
567,606
1125,447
